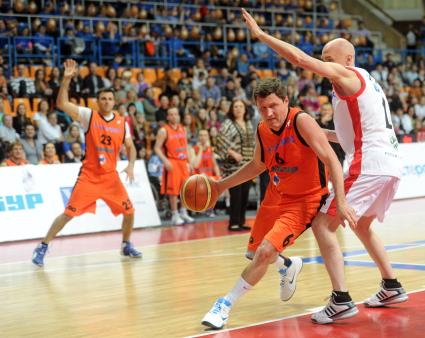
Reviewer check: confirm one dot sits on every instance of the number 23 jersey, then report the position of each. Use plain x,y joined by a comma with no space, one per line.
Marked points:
104,139
364,129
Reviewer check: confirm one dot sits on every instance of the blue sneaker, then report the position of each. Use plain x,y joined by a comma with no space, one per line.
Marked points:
217,317
39,253
129,250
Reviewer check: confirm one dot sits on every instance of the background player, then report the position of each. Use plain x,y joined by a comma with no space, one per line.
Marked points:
291,145
363,128
98,178
202,156
171,147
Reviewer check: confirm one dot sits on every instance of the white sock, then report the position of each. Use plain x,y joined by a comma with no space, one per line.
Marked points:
183,211
280,263
175,213
238,290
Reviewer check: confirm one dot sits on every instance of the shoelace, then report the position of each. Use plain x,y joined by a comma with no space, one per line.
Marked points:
217,308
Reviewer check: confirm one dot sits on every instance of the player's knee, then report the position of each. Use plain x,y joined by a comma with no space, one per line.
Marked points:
265,254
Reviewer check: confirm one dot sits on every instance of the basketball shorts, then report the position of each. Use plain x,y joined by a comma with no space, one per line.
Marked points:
368,195
281,220
108,187
173,180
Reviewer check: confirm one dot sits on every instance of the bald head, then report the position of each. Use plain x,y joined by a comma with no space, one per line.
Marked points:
339,51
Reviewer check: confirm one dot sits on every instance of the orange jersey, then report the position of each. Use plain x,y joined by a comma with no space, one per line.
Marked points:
103,143
175,146
207,165
293,166
11,163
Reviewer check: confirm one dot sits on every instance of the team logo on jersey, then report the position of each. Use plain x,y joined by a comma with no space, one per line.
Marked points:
102,159
276,179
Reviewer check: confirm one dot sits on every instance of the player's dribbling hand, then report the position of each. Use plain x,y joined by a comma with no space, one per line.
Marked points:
252,25
71,68
130,173
347,213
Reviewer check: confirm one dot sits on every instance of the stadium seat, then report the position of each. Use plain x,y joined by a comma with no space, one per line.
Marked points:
26,102
176,74
92,103
150,75
33,69
263,73
7,109
160,73
35,103
26,72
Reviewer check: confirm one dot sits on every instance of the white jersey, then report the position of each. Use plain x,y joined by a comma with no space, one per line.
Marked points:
364,130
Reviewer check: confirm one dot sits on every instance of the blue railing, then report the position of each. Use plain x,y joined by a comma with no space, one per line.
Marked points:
141,54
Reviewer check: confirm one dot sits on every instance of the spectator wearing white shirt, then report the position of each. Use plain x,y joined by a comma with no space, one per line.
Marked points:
7,132
50,131
420,109
408,120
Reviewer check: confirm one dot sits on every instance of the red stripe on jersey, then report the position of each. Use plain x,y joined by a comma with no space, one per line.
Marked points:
356,164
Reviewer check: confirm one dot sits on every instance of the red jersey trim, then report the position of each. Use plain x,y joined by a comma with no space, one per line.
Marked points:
359,92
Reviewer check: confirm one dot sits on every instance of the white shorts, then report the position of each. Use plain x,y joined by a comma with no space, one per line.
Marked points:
368,195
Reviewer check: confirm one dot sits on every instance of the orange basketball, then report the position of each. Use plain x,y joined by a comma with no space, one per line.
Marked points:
199,193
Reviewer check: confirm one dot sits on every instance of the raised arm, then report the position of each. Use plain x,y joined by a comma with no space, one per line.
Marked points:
250,170
316,139
333,71
62,101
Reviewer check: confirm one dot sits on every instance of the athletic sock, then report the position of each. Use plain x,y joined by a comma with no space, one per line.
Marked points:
341,296
282,263
238,290
44,244
391,283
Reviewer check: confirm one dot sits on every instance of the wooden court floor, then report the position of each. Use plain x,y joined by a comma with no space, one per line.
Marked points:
87,290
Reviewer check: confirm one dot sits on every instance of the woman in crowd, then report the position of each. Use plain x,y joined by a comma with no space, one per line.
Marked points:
72,135
235,147
32,147
50,156
20,119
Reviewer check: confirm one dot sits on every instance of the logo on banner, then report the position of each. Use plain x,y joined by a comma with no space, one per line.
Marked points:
20,202
66,194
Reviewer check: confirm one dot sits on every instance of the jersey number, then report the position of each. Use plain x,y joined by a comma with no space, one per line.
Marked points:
105,139
387,122
278,159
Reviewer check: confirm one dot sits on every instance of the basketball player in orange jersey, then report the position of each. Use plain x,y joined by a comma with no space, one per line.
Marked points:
203,161
363,128
171,147
98,178
291,145
202,156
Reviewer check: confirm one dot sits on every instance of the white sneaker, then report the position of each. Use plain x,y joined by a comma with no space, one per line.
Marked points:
334,311
185,216
217,317
288,278
386,297
177,220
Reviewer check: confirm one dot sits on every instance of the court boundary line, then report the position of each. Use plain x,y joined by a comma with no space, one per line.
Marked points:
212,332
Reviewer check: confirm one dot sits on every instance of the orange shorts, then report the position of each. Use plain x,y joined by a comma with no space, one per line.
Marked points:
88,190
173,180
281,220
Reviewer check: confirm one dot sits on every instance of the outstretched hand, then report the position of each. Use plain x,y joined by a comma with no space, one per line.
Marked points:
252,25
71,68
